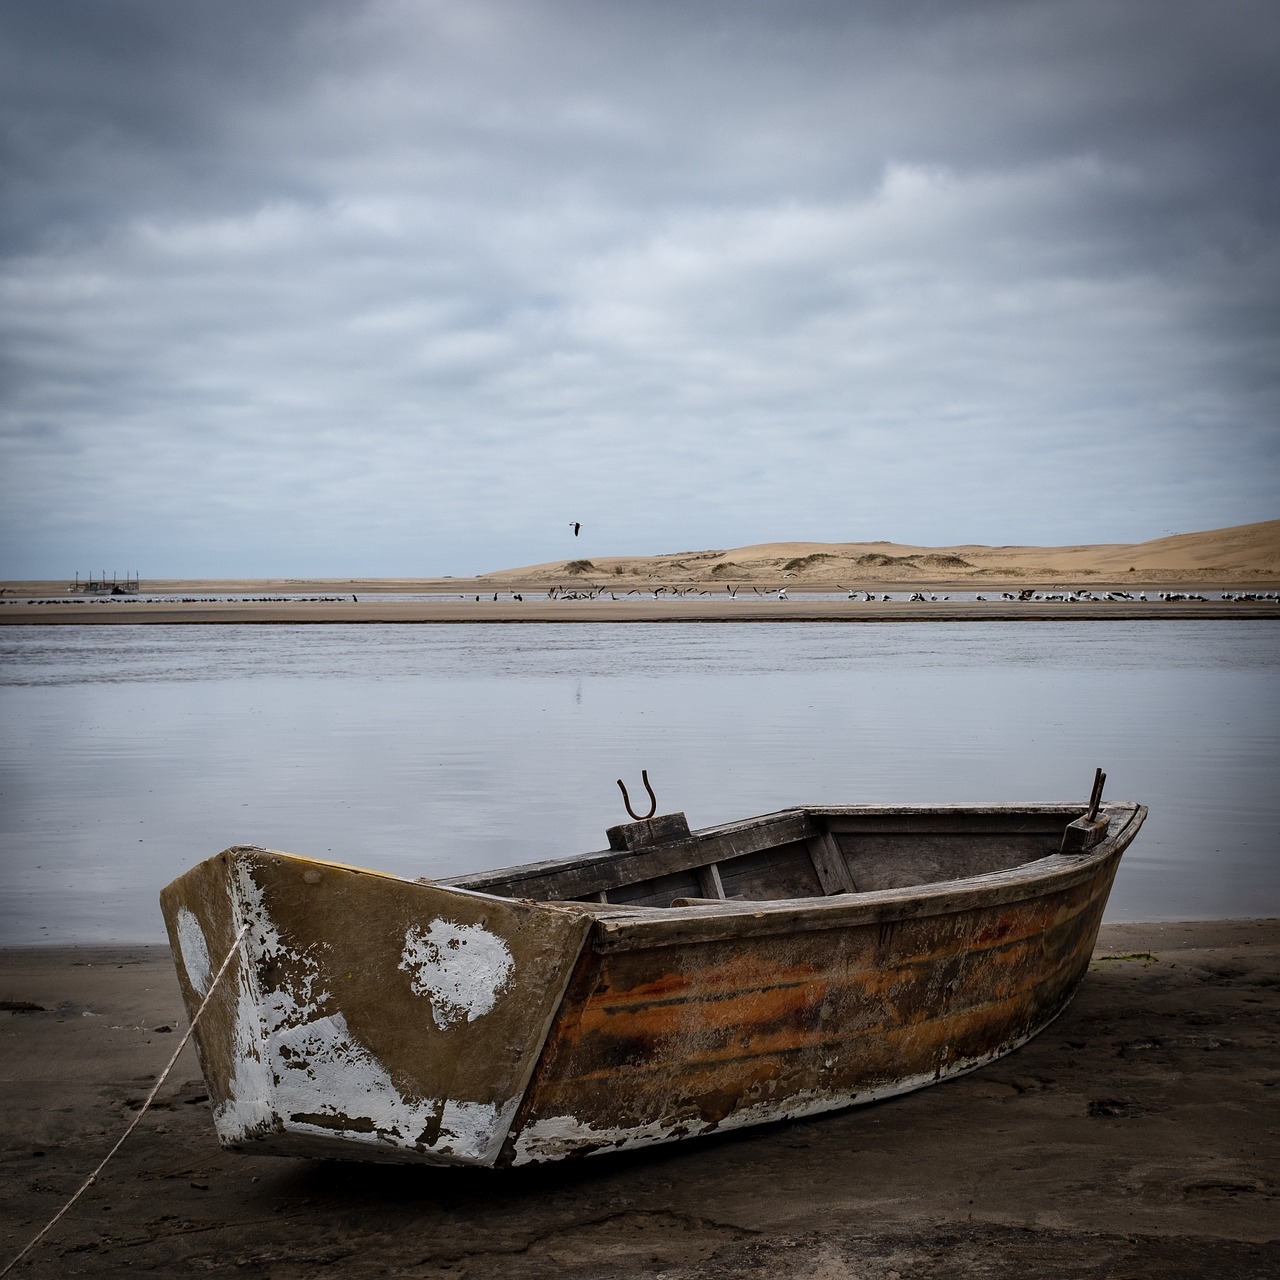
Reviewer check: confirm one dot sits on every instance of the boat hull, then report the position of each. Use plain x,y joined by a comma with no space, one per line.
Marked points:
369,1017
658,1043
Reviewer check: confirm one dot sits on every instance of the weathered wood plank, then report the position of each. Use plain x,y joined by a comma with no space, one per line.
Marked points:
611,869
946,819
927,813
646,832
659,891
829,863
897,860
781,871
1082,834
709,881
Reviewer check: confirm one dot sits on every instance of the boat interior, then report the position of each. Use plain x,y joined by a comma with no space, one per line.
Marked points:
799,853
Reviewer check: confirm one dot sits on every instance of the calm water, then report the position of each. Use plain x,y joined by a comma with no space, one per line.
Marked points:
129,753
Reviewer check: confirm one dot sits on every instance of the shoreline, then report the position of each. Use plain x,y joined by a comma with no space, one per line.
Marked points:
653,594
1129,1137
121,611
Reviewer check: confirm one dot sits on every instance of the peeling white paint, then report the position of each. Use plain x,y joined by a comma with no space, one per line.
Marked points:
193,950
555,1137
247,1111
461,968
299,1068
322,1070
477,1129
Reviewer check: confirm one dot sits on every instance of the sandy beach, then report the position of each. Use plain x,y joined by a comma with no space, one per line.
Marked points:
1136,1137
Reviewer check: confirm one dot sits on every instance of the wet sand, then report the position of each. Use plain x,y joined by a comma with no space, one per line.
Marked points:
1136,1137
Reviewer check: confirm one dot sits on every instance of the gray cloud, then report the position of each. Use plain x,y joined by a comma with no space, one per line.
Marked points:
403,287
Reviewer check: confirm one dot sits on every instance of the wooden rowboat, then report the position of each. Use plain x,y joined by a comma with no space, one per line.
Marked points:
678,983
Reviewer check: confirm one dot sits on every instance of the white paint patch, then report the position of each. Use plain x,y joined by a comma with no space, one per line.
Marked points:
322,1070
194,951
461,968
299,1067
477,1129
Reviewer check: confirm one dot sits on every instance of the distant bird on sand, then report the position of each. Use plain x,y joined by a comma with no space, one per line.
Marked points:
575,525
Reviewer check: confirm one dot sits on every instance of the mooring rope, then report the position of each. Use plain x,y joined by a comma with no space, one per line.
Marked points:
93,1177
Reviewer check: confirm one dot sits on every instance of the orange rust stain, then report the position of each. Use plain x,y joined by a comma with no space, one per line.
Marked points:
620,1000
880,1050
627,977
800,1016
926,942
912,992
841,1010
621,987
723,1012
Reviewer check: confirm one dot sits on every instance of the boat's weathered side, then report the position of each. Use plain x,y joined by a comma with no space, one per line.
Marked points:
663,1037
370,1017
366,1017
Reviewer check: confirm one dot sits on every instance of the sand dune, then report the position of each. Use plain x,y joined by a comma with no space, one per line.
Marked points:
1244,552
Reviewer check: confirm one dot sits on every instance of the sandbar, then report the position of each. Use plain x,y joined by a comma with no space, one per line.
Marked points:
538,608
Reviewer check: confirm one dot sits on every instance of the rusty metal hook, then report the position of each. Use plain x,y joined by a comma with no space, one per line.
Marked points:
626,799
1095,799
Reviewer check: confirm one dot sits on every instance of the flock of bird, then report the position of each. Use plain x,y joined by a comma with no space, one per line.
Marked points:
190,599
599,593
1080,595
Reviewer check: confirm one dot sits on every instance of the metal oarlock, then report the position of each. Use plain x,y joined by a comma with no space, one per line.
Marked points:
653,800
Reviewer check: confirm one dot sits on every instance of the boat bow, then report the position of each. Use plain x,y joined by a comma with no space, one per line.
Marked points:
410,1036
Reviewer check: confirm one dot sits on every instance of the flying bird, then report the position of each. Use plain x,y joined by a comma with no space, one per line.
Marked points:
575,525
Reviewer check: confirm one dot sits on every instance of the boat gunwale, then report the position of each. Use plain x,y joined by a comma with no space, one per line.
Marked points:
753,915
620,926
602,859
645,927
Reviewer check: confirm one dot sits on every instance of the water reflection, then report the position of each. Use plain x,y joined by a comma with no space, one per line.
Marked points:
129,753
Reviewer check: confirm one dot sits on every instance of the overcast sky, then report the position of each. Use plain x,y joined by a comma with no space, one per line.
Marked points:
402,287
